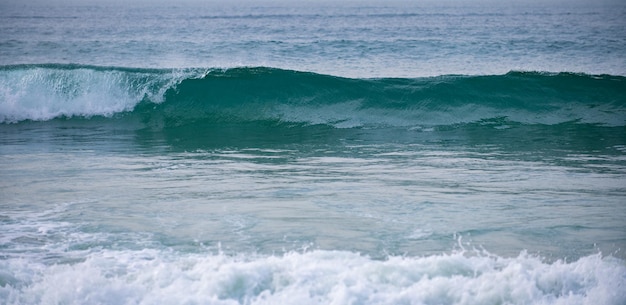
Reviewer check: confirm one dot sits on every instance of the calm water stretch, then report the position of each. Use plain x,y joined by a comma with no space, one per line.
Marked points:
312,152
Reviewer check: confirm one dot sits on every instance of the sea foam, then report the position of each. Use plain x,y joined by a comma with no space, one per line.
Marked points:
45,92
315,277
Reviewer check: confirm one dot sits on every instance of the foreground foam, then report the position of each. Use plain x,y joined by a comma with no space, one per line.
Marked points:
317,277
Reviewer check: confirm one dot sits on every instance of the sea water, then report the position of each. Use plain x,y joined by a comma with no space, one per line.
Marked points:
312,152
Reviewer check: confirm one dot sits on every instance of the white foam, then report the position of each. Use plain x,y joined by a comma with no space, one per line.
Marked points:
43,93
317,277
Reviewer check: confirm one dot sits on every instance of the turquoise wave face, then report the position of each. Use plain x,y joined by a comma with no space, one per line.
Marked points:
265,94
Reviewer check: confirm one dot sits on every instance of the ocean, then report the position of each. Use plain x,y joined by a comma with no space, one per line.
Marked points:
312,152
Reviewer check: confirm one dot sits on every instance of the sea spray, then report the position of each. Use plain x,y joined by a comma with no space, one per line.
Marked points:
45,92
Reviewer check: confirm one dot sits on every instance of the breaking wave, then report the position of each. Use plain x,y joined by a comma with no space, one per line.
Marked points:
175,97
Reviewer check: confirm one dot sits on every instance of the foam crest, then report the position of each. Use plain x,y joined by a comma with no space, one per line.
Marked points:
317,277
44,92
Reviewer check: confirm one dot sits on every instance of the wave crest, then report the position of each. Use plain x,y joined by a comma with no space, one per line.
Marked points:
46,92
181,97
